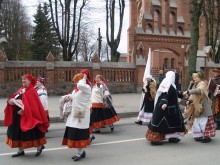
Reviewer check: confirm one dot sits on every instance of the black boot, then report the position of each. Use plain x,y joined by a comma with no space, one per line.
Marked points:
79,156
138,122
112,127
92,138
39,151
206,140
18,154
174,140
156,143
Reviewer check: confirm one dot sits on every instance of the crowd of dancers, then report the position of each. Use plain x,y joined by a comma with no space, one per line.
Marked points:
88,109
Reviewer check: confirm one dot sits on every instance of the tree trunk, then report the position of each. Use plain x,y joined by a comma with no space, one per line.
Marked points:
195,10
110,19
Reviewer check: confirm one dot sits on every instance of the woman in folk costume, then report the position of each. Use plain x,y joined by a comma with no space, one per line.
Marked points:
214,92
148,95
103,113
42,93
26,119
167,121
77,125
203,127
147,105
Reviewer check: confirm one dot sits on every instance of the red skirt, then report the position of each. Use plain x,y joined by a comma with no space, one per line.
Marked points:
154,136
76,138
101,116
210,128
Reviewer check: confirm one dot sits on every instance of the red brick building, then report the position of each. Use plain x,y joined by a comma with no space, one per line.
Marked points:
163,26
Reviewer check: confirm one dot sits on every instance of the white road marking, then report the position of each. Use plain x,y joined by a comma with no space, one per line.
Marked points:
63,148
98,144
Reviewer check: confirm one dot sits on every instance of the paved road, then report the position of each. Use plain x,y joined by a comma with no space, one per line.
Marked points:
125,146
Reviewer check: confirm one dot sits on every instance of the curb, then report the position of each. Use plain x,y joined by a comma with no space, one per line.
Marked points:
58,120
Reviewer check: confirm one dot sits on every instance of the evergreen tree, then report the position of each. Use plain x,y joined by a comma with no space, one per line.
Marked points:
44,38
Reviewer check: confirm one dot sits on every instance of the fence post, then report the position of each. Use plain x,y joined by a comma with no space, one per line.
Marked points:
2,67
140,67
96,66
50,77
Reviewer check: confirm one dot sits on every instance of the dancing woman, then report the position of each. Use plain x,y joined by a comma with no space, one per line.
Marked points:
147,105
167,121
203,127
26,119
77,125
103,113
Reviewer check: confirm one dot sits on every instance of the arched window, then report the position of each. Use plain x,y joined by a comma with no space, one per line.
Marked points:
149,28
180,30
172,63
156,20
165,63
172,20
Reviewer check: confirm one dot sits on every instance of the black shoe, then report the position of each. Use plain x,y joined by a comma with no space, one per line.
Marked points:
79,156
156,143
138,122
218,127
18,154
174,140
97,131
39,151
92,138
207,140
198,139
112,128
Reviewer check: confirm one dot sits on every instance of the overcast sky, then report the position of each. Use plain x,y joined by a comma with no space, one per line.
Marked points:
31,6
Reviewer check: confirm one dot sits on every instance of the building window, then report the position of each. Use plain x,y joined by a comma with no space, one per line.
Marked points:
165,63
172,63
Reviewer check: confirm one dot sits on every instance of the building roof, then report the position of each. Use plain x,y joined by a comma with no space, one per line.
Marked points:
156,2
173,4
148,16
180,19
207,49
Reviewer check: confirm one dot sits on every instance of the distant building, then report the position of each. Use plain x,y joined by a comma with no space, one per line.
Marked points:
163,26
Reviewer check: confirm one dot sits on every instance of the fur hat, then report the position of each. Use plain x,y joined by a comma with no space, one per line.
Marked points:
199,74
217,70
78,77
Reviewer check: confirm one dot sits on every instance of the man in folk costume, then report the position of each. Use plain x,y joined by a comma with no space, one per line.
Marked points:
77,125
42,93
203,127
215,96
167,121
26,119
148,95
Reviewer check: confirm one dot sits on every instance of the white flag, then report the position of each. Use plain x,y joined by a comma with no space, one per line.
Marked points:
148,66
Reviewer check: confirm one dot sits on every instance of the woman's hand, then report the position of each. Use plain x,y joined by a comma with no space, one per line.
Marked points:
185,94
164,106
67,98
21,112
218,92
11,101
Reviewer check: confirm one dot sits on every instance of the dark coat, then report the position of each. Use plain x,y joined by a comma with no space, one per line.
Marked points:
160,78
148,102
169,120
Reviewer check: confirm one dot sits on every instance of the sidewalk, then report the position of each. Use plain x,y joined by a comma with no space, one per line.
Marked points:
126,105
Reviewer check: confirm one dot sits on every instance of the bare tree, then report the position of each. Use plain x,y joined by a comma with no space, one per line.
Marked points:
87,43
66,17
16,27
110,26
196,7
211,10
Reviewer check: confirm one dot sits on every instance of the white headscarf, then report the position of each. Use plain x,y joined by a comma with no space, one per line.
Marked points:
165,85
